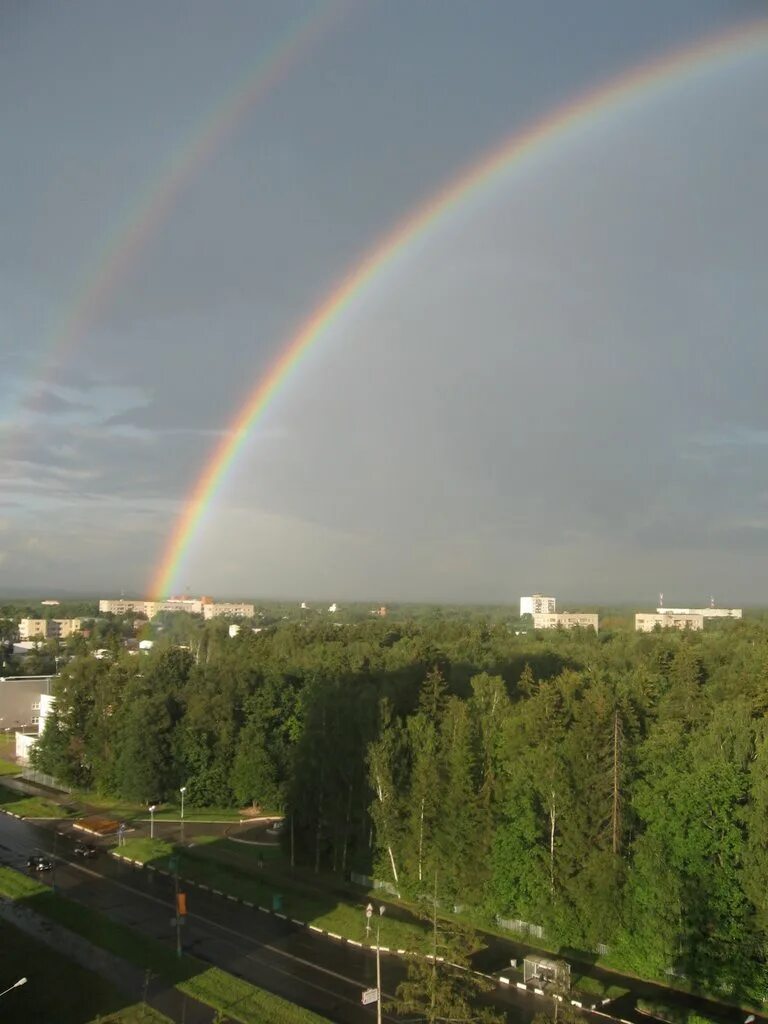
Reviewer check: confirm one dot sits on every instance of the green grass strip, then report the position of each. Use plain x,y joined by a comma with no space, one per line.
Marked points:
29,806
61,990
208,863
233,996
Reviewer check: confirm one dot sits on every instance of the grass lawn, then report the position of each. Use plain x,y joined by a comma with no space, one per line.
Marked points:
129,809
233,868
9,768
240,1000
595,988
60,990
30,806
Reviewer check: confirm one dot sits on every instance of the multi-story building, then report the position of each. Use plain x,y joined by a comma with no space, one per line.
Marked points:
32,629
20,700
45,629
26,741
565,620
646,622
193,605
706,613
151,608
212,609
537,604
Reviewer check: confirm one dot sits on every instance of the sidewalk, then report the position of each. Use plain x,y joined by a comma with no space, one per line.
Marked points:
124,976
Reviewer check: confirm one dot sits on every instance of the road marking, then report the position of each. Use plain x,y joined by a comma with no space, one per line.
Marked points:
214,924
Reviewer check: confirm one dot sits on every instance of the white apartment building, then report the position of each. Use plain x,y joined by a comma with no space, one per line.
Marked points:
565,620
26,741
706,613
151,608
646,622
194,605
537,604
43,629
213,609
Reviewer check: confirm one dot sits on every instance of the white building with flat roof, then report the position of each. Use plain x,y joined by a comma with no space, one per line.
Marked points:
706,613
193,605
43,629
537,604
646,622
565,620
213,609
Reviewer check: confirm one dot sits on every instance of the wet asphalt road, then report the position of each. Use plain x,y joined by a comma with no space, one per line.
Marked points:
311,970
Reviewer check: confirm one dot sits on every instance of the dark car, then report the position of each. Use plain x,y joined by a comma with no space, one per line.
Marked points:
38,863
85,850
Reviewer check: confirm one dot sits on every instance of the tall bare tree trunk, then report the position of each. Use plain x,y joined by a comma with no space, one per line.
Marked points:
345,847
552,821
380,795
421,836
616,808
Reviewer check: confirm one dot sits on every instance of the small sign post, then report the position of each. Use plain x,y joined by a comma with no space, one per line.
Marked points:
368,916
370,995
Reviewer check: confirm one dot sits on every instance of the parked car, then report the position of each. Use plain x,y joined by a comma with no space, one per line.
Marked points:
85,850
38,863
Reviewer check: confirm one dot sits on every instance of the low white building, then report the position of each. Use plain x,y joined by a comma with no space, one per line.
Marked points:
646,622
26,741
706,613
565,620
537,604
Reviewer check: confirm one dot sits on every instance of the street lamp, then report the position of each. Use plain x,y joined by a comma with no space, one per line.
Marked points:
152,809
182,790
21,981
378,968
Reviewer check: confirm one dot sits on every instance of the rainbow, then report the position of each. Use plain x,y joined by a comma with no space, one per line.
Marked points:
577,114
120,252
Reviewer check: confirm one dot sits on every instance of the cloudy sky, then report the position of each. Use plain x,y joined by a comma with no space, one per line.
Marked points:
559,387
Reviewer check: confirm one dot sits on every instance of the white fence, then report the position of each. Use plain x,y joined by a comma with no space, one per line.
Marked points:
521,927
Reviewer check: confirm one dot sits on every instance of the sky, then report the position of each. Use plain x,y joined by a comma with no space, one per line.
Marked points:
558,388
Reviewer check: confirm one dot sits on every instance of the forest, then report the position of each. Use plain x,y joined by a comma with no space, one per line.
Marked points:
602,793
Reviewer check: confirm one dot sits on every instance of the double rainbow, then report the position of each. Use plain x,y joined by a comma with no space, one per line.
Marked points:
151,206
513,152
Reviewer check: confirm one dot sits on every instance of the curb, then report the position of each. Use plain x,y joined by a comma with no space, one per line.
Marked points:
500,980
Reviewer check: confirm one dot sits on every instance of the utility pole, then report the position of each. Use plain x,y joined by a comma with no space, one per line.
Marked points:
182,790
378,967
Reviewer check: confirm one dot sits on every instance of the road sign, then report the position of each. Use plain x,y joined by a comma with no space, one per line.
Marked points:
369,910
370,995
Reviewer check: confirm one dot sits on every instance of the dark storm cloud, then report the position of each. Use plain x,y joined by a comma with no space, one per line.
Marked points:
563,386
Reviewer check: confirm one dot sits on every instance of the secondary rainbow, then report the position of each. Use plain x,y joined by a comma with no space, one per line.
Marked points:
151,207
656,75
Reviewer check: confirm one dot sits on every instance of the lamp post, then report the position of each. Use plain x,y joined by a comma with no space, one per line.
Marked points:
152,809
182,790
16,984
378,968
